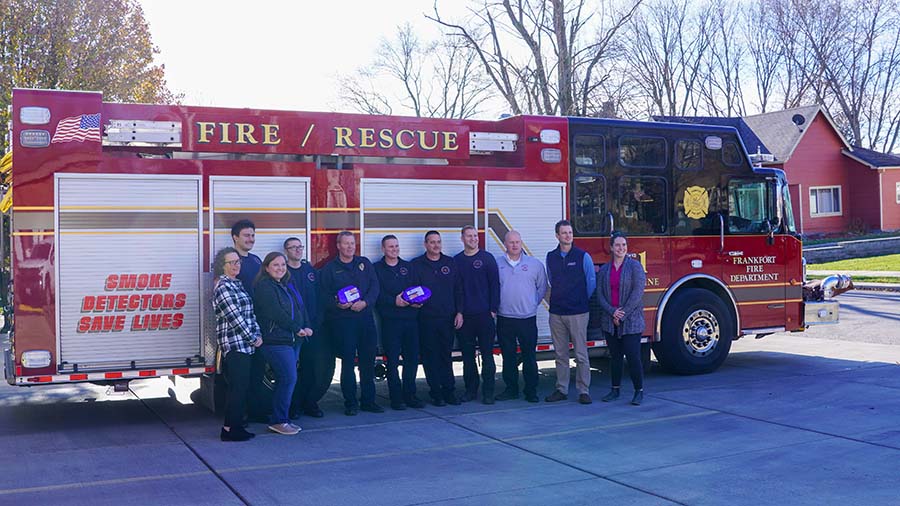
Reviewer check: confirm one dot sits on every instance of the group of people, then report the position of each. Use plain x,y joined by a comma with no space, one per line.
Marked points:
278,309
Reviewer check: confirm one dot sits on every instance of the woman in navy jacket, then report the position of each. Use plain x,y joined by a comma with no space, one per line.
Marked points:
620,292
284,325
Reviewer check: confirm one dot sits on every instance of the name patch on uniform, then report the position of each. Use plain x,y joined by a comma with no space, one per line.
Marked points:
445,270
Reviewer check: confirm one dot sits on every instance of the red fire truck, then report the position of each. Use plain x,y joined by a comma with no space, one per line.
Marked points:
117,208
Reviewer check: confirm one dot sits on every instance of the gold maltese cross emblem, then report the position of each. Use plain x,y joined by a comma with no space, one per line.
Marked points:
696,202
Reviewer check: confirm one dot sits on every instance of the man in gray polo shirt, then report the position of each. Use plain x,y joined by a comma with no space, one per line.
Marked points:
523,283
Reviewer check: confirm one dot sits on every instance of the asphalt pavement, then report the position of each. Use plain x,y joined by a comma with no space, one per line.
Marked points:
804,418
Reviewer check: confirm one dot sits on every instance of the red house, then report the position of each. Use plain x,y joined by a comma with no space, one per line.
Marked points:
835,187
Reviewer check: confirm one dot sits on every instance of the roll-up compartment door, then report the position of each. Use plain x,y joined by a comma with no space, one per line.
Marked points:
410,208
128,271
278,206
532,209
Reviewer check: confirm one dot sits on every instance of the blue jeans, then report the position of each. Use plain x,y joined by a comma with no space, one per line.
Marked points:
283,360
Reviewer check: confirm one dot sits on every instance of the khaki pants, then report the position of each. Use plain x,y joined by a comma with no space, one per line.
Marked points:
564,328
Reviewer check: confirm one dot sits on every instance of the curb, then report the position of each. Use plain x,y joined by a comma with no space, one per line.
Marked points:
881,287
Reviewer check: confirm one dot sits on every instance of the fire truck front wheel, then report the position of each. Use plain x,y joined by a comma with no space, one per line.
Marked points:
697,330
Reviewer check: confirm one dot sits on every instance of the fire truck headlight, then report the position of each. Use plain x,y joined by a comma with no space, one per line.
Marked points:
550,136
35,358
551,155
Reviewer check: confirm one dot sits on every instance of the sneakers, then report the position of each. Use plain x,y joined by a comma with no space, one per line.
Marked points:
556,396
612,395
507,395
236,434
287,429
584,398
638,398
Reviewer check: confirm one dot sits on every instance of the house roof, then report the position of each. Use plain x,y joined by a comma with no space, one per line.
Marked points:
874,159
777,133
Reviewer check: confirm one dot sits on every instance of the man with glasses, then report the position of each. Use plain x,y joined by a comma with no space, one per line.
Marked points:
316,356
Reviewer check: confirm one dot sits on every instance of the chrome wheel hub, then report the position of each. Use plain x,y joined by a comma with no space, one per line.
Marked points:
700,333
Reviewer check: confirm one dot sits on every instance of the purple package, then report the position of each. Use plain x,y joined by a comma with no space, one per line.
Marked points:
416,294
348,294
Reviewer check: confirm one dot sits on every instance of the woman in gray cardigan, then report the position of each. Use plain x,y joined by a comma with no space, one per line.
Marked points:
620,291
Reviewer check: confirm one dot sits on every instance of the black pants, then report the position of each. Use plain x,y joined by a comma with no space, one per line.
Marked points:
436,343
357,339
259,401
628,346
513,333
401,337
316,372
237,375
478,328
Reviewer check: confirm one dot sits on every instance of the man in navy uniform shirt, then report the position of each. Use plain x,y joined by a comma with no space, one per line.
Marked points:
243,235
439,316
316,356
399,325
353,323
481,296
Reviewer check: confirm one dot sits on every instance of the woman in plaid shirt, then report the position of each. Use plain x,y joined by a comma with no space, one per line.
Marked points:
238,335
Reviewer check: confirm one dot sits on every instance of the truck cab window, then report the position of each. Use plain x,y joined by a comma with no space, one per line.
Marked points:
749,207
589,209
590,153
642,205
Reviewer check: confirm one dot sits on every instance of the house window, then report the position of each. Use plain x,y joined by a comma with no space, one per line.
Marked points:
825,201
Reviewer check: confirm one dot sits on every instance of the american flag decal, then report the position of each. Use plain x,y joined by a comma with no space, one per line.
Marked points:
78,128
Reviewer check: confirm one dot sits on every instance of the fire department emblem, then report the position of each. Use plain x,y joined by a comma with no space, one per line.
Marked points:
477,264
445,270
524,267
311,276
403,271
696,202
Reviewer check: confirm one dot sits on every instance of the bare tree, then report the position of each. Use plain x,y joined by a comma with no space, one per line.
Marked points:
544,57
766,54
665,49
847,52
723,72
434,79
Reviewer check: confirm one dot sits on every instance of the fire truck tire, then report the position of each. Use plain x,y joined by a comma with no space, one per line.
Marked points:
697,329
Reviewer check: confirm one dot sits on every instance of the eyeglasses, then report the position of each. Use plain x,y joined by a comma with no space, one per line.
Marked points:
294,247
234,262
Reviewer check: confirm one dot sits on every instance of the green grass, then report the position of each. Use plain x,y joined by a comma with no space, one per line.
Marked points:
882,263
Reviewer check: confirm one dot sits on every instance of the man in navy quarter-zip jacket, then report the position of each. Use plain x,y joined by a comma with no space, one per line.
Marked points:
353,324
481,296
438,318
572,281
